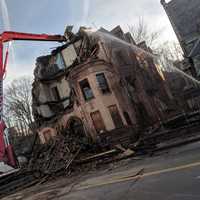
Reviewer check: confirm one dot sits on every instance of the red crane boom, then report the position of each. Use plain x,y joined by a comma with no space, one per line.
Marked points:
5,148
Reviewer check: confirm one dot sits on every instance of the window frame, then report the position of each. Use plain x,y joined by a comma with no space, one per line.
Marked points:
116,116
81,83
95,123
56,97
103,91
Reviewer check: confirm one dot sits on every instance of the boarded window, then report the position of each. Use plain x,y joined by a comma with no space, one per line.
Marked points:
98,121
86,90
55,93
102,83
117,120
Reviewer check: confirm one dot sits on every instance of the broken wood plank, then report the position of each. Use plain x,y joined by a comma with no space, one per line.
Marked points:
98,156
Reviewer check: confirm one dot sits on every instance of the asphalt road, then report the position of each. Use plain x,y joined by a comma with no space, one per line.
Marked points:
172,175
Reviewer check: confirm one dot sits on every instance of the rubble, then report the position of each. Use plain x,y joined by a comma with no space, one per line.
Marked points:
58,154
16,180
4,168
69,154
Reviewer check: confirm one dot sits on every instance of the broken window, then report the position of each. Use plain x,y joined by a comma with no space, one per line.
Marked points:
102,83
86,89
117,120
98,122
55,93
122,58
59,61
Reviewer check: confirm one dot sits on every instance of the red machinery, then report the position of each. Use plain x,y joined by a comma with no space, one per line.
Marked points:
6,152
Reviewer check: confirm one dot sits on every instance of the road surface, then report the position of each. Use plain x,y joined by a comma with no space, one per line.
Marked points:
172,175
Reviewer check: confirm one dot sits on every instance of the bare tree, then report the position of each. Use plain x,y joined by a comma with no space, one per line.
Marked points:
142,32
171,50
169,53
18,102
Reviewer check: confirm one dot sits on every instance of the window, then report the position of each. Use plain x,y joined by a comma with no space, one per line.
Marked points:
102,83
117,120
128,120
60,61
55,93
86,90
98,121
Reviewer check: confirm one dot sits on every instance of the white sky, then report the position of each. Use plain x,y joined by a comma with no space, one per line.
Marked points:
48,16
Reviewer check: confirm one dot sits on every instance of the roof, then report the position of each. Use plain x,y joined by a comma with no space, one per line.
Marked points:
118,32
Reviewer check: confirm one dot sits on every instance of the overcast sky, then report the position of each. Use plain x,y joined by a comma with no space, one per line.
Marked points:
51,16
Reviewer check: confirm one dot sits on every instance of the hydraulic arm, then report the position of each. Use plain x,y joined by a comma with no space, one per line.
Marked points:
7,37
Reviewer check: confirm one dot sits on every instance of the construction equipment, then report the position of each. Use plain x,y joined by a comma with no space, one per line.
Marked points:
6,152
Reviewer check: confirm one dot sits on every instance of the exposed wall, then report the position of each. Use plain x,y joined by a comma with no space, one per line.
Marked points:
100,102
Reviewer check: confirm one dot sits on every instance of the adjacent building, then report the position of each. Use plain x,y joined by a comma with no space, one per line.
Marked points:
184,16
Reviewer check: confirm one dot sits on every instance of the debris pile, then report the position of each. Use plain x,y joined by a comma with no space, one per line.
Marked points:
58,154
67,151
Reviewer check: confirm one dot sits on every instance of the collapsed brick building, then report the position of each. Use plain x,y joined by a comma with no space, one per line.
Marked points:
96,83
